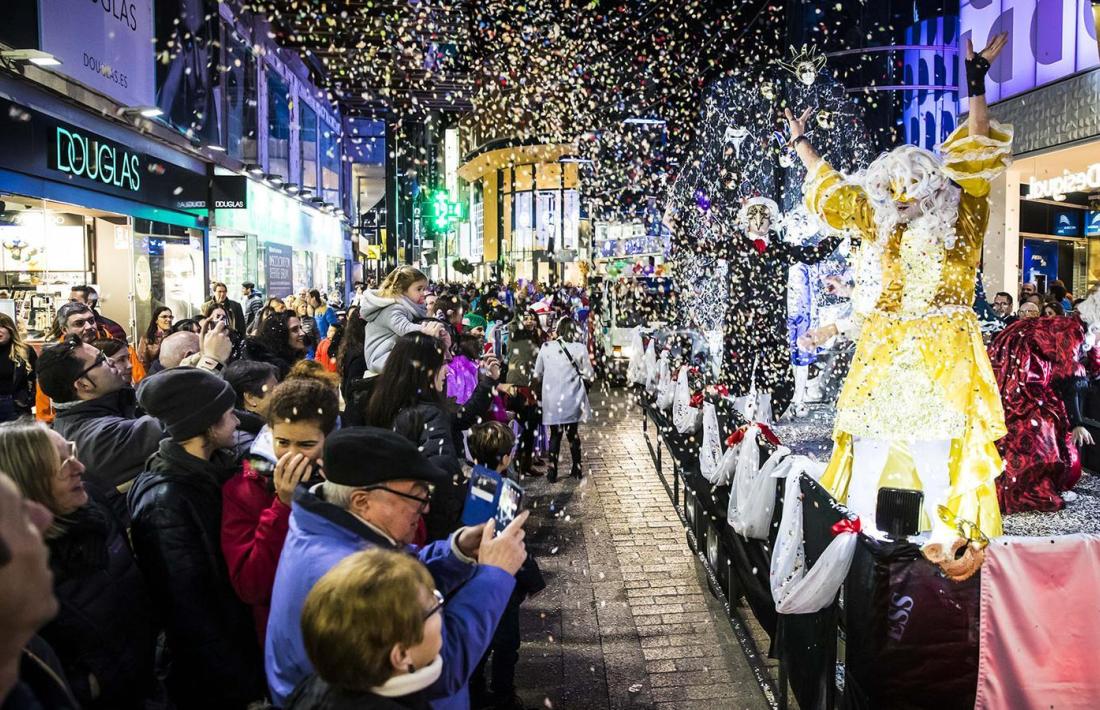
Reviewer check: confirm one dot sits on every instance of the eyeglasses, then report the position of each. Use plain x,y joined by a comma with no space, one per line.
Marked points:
440,600
423,501
100,359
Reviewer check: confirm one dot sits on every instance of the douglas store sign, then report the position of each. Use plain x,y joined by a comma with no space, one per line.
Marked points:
84,156
36,144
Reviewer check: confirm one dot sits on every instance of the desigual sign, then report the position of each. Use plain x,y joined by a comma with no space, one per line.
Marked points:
1059,185
93,158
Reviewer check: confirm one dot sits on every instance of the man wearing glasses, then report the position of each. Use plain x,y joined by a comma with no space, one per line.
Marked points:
378,486
98,410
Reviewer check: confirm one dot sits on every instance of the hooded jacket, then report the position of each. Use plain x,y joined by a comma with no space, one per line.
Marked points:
176,510
387,320
322,534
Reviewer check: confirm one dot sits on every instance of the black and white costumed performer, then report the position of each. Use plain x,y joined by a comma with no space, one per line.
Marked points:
756,357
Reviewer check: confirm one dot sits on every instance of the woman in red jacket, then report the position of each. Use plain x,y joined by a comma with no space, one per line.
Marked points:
256,501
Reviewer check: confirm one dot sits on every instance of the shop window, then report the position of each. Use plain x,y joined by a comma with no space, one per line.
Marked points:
547,220
308,142
187,55
523,234
330,164
302,270
477,243
233,260
168,270
240,99
43,253
278,125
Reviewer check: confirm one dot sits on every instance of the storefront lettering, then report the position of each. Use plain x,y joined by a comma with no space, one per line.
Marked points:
278,266
1068,182
80,156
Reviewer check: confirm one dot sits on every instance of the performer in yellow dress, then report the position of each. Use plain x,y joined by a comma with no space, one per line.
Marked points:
920,407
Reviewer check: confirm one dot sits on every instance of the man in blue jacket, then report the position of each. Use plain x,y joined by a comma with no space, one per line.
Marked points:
377,486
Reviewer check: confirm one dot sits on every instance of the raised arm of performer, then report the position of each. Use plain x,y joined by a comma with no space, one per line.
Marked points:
977,66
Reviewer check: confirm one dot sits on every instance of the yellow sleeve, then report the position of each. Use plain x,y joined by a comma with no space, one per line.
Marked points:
839,203
974,161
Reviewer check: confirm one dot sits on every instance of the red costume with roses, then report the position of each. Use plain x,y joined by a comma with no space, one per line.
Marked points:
1040,375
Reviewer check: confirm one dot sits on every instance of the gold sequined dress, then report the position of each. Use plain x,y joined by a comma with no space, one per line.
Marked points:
921,371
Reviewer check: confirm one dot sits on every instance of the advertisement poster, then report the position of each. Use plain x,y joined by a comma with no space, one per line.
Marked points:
280,270
107,46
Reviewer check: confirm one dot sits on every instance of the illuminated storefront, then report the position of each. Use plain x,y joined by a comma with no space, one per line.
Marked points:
525,213
96,204
279,243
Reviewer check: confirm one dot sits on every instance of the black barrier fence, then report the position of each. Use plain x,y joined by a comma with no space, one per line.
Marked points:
909,635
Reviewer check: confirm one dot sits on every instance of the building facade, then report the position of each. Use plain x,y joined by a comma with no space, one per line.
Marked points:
147,155
1045,212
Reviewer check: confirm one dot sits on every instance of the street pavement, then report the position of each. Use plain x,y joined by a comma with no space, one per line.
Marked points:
626,620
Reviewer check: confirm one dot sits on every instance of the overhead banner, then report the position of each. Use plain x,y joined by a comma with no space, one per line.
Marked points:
106,45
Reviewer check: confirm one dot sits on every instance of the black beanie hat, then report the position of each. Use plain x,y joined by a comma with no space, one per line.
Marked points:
188,400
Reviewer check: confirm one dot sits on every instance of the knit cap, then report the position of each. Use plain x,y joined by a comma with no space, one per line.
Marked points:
187,400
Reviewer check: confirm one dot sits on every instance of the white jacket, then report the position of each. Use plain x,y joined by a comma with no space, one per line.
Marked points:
564,399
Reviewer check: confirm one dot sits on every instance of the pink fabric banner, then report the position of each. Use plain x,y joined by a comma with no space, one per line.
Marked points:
1040,624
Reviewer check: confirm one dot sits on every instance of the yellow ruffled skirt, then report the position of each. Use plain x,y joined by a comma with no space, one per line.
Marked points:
924,379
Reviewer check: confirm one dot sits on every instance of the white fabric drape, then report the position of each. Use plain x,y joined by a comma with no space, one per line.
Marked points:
685,417
752,498
650,362
726,465
665,383
794,589
710,452
635,369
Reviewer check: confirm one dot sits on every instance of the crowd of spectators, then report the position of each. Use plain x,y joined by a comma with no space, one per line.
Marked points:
265,505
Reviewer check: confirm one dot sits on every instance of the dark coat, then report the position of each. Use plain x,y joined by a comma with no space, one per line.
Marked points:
756,314
252,306
316,694
176,507
256,351
441,443
523,350
41,683
112,440
105,627
236,314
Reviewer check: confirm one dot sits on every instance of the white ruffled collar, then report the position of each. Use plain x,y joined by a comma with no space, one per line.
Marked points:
408,683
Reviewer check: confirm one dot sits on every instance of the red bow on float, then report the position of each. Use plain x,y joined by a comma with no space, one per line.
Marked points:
696,400
736,437
761,245
846,525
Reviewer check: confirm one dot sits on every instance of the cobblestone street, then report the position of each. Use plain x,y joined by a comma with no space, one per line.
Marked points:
627,620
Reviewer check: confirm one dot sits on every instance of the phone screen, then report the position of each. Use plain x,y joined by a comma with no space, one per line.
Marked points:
510,503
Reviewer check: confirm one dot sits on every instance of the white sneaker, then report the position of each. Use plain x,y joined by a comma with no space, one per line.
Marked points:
1069,496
